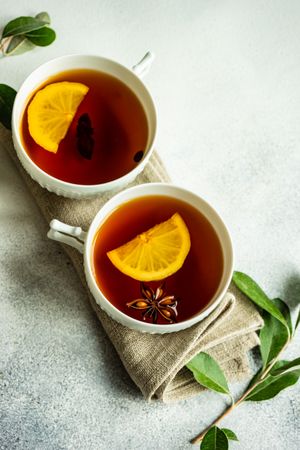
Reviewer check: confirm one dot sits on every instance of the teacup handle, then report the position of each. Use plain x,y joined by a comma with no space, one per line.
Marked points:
61,232
142,67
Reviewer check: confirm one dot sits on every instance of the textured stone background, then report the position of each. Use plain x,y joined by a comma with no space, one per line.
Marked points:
226,82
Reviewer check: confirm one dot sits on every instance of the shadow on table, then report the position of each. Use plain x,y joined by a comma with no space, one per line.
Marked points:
291,291
38,302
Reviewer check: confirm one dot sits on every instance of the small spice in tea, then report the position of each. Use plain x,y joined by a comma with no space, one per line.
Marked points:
154,302
138,156
84,133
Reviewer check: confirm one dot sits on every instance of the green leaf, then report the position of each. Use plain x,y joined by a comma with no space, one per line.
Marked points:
283,366
7,98
18,45
271,386
230,434
255,378
214,439
297,320
250,288
208,373
42,37
285,310
278,365
274,335
22,25
43,17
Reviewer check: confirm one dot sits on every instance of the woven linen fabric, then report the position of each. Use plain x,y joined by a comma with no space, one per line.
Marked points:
156,363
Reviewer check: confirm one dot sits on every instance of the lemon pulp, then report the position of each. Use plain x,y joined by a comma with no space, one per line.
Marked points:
51,111
156,253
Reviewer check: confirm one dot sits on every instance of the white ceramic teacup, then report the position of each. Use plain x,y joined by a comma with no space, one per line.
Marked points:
83,241
130,77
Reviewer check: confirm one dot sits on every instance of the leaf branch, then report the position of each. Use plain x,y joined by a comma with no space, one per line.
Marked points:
24,33
264,374
274,376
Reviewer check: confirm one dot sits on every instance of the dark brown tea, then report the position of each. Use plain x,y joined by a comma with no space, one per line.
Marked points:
118,123
193,285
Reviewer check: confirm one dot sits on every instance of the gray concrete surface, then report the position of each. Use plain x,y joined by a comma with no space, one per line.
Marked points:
226,82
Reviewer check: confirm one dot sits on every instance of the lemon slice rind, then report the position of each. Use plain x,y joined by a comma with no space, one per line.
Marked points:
52,110
155,254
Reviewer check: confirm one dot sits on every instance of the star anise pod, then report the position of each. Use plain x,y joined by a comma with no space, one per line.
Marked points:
155,302
84,134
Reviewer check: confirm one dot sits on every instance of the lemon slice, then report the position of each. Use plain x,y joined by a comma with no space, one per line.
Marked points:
51,112
156,253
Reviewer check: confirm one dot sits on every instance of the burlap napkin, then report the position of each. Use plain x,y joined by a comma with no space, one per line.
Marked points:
156,363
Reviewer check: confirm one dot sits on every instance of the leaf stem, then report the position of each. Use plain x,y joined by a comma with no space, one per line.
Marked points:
200,436
3,42
270,366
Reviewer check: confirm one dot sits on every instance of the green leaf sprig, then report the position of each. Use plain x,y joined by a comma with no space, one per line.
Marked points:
7,98
274,375
24,33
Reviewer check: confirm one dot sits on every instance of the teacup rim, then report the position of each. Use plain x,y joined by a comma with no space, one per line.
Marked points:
128,320
15,124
